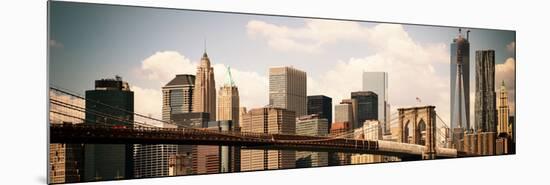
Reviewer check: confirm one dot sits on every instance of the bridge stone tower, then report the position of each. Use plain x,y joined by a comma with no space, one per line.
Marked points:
417,125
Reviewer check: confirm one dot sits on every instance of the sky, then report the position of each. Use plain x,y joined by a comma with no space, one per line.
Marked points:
149,46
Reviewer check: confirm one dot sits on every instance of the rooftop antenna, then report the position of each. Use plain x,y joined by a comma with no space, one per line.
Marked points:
205,45
468,35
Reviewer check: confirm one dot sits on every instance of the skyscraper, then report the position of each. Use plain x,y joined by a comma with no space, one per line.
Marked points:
460,85
228,119
503,110
228,101
311,125
187,155
114,98
177,96
320,105
152,160
288,89
274,121
217,159
485,97
345,111
242,111
377,82
367,107
204,97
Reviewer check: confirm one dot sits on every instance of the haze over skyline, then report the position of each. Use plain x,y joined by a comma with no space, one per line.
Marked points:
149,46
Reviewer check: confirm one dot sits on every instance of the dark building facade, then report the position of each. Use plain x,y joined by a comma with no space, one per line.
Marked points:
110,103
177,96
321,105
191,119
218,159
190,152
367,107
485,96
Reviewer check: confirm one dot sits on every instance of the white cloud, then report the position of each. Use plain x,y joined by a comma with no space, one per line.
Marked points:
410,67
511,47
309,38
147,102
252,86
506,72
163,66
387,38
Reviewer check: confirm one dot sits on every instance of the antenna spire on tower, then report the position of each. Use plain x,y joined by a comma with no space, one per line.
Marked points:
229,79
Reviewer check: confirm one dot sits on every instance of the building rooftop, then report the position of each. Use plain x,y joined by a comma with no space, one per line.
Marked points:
182,79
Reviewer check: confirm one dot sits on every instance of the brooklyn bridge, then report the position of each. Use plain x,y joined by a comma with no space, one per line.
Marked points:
420,144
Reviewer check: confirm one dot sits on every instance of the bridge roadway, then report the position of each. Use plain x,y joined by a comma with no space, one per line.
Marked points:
100,134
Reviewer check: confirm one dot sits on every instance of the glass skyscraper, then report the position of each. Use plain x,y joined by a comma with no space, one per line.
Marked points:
460,85
110,97
321,105
288,89
377,82
367,107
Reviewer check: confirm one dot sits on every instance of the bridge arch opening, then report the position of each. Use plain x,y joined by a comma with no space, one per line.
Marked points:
408,132
422,132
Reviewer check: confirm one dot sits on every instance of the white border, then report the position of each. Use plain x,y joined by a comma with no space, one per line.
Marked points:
23,94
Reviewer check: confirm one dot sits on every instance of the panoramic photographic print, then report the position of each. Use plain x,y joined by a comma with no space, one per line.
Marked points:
140,92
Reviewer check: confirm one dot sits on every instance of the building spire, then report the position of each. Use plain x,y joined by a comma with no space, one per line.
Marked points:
229,80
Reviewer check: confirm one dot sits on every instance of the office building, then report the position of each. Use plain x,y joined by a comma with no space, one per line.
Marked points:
345,111
152,160
367,107
371,130
503,111
217,159
311,125
180,164
485,96
66,163
242,111
288,89
377,82
460,86
228,101
270,120
114,98
189,152
204,97
177,96
320,105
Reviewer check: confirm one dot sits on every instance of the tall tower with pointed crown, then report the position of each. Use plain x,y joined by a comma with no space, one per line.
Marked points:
228,100
503,110
204,98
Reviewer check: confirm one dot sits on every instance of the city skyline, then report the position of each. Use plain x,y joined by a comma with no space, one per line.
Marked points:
274,40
